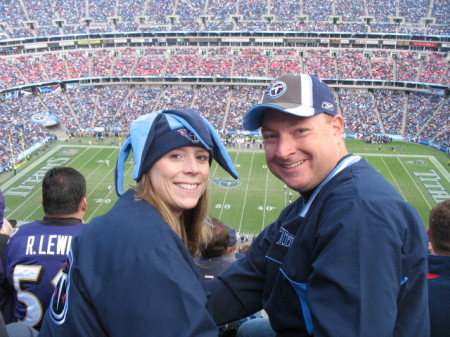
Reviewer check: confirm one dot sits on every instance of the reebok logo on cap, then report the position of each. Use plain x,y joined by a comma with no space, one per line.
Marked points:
328,106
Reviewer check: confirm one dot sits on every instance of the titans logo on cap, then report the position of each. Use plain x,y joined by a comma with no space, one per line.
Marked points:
276,89
189,135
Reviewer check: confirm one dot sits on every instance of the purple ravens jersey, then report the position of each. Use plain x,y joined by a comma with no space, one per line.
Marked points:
34,257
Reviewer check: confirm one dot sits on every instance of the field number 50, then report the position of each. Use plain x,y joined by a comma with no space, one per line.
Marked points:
226,206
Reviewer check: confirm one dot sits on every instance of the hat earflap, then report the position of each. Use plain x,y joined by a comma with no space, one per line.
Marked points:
220,154
141,135
123,155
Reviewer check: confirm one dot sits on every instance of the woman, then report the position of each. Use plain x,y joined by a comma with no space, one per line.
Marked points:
131,271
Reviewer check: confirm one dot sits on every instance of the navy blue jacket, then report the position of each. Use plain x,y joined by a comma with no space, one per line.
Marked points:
129,274
439,294
355,265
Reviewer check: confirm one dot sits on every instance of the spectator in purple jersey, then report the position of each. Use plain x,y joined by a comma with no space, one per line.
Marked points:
36,251
6,294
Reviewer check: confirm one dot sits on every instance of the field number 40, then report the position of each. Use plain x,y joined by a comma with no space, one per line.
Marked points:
267,208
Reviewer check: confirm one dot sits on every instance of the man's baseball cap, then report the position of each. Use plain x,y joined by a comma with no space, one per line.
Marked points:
297,94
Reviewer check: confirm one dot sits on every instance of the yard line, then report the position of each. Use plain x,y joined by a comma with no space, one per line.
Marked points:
432,158
441,169
127,172
226,191
245,194
395,180
32,166
96,187
265,200
415,184
29,171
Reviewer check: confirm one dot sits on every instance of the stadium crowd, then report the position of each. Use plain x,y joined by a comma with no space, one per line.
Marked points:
82,109
24,19
195,61
371,114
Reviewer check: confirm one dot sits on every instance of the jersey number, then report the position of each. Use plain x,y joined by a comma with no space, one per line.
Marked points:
30,274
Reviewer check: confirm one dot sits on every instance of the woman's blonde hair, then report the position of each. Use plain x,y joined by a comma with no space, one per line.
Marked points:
192,227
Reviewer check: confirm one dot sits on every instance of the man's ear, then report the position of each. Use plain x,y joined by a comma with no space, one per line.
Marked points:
83,204
430,243
338,125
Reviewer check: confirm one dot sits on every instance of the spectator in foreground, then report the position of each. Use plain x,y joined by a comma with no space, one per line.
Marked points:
216,255
8,326
36,251
6,227
349,257
147,282
439,269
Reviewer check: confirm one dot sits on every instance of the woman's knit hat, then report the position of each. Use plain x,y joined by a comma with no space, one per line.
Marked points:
155,134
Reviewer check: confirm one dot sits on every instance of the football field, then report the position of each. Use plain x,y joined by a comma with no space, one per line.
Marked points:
420,174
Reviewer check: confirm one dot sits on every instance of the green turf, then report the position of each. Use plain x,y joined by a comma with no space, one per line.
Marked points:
248,205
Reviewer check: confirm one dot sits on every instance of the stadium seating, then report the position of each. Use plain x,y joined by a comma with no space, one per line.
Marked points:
81,109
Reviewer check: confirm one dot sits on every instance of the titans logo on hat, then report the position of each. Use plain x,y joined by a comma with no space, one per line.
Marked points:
276,89
189,135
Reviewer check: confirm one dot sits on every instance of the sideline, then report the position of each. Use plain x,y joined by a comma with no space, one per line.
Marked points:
445,173
31,166
44,157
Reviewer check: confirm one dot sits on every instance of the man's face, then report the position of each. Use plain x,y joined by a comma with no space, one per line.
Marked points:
302,151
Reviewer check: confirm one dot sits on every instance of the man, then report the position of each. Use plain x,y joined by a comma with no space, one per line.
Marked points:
439,269
347,258
36,251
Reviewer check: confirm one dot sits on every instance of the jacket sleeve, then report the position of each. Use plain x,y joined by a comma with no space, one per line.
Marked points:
237,292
